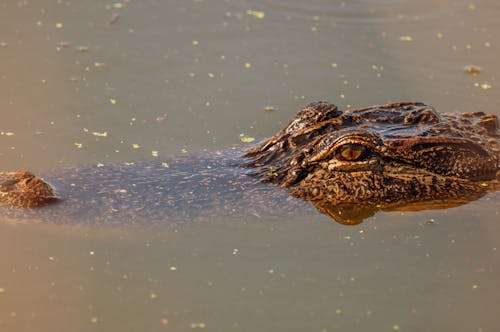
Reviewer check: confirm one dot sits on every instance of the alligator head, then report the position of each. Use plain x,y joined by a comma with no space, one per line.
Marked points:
401,156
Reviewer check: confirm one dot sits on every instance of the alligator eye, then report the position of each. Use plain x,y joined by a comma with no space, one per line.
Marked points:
351,152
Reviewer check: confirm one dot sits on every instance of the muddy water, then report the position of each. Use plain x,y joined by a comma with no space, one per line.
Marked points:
87,83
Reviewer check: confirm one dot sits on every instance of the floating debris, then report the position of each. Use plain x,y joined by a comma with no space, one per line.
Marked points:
270,109
256,13
114,18
247,139
63,44
430,222
484,86
161,118
472,69
406,38
82,49
100,134
197,325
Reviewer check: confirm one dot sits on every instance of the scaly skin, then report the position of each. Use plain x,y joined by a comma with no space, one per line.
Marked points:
401,156
349,164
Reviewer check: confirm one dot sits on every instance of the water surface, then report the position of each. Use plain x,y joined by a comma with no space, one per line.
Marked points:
88,82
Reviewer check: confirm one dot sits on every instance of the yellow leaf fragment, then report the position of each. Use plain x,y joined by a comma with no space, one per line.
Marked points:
248,65
78,145
154,153
59,25
406,38
136,146
6,133
164,165
112,101
246,139
256,13
100,134
197,325
100,165
484,86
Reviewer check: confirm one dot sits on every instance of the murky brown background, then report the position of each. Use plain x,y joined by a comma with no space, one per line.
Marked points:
88,82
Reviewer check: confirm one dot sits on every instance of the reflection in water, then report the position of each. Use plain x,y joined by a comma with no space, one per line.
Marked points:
350,164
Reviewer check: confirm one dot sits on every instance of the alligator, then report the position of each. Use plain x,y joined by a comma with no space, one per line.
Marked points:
347,164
